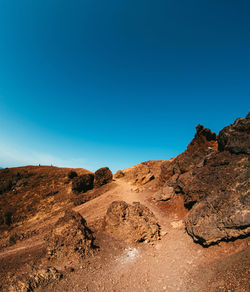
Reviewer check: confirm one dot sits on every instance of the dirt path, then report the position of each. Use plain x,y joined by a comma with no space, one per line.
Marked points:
124,191
169,265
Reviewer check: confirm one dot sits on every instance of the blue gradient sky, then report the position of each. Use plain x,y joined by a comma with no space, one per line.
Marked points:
93,83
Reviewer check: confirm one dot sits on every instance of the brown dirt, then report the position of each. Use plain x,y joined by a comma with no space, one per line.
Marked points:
174,263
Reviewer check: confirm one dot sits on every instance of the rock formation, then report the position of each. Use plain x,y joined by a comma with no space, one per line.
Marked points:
69,237
102,176
142,173
72,174
221,188
164,194
236,137
83,183
132,223
203,144
214,184
176,172
37,279
119,174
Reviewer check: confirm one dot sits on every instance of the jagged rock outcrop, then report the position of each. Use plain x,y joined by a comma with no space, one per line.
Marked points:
214,184
236,137
132,223
221,217
102,176
176,172
220,189
141,173
70,237
83,183
203,144
221,172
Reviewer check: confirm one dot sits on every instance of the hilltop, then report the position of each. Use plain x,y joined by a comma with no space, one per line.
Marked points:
168,225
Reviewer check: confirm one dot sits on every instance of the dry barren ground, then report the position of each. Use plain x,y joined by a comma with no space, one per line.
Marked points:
174,263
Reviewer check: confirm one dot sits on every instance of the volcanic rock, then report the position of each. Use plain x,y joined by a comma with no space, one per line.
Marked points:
204,143
102,176
142,173
132,223
83,183
70,237
236,137
72,174
222,172
119,174
221,188
38,278
222,217
164,194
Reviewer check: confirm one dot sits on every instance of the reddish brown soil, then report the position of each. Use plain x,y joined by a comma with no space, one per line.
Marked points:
174,263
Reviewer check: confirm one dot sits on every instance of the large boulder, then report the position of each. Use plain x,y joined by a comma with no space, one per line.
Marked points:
70,237
103,176
221,172
222,217
83,183
164,194
72,174
236,137
132,223
220,190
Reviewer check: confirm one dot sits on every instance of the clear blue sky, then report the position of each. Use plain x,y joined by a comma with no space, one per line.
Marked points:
113,83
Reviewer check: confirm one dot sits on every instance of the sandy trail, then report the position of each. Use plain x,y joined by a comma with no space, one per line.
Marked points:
168,265
124,191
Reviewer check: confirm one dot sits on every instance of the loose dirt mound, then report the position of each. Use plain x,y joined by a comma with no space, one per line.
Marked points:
70,237
132,223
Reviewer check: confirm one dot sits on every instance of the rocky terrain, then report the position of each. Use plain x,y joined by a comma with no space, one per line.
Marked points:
171,225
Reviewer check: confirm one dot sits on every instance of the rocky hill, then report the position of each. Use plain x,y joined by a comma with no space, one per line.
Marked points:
214,183
170,225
